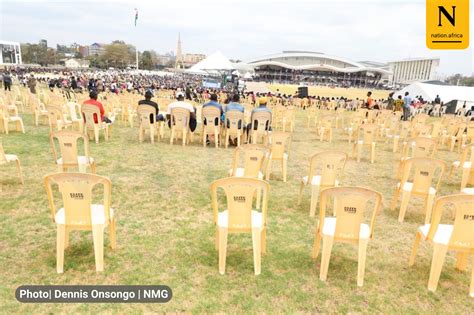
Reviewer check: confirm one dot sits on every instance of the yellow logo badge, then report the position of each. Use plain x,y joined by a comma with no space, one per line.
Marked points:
447,24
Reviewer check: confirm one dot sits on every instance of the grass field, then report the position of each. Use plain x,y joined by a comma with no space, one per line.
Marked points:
165,235
324,91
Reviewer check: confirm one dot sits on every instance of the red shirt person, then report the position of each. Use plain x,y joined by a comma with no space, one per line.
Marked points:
93,101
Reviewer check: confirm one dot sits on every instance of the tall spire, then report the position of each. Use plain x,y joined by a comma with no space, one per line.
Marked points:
179,56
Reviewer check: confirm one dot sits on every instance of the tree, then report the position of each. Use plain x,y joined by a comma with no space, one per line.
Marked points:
116,55
459,79
146,61
34,53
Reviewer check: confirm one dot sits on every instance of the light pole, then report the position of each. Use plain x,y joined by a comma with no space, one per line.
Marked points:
136,47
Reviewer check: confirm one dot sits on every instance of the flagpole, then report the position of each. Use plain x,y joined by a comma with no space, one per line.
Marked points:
136,46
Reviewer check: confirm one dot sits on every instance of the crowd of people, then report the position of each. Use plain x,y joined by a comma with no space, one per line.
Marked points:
188,87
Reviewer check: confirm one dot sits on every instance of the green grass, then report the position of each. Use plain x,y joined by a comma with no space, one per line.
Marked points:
165,235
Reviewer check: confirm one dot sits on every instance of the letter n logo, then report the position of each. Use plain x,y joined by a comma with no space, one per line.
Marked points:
447,24
451,18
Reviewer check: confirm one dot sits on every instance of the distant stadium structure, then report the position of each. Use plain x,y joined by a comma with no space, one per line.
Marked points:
10,53
408,71
305,66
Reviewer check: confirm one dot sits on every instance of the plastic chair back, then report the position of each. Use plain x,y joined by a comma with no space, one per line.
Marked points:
350,205
76,190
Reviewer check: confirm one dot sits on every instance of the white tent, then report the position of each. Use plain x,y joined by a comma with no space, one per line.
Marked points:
248,75
212,64
447,93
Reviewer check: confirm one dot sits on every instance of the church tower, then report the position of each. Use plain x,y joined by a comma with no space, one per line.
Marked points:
179,64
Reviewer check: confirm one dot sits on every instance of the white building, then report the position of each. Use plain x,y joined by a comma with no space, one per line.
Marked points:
10,53
407,71
96,49
75,63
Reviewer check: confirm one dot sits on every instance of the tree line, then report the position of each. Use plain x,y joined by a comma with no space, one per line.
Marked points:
117,54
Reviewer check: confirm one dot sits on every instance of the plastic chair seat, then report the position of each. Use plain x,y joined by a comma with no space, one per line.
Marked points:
14,118
97,216
316,181
329,228
223,219
409,187
80,160
239,172
362,142
443,233
465,165
468,191
11,157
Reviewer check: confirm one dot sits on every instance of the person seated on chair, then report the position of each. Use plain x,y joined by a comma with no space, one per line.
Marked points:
234,105
148,101
93,101
180,103
261,108
214,103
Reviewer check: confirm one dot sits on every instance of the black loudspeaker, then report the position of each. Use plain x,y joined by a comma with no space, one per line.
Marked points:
302,91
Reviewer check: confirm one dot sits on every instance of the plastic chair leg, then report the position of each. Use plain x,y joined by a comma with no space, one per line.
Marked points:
439,255
314,200
316,246
404,205
372,153
60,240
461,260
152,134
361,263
257,250
393,203
414,250
284,168
451,170
269,169
222,249
113,238
465,177
96,135
20,174
429,208
471,288
359,151
452,143
98,237
140,134
172,136
326,256
259,197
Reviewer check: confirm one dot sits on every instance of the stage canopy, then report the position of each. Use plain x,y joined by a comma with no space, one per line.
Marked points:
447,93
214,63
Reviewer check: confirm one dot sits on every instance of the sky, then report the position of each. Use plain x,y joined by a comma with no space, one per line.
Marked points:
376,30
